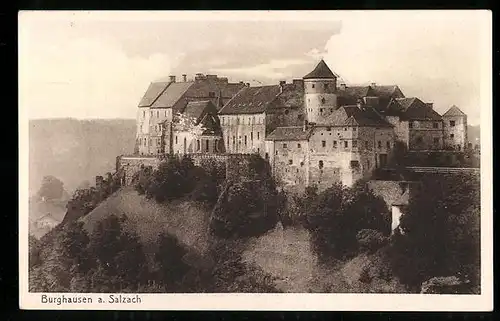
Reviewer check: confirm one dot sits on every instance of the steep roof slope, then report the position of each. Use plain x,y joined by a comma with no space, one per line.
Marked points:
453,111
152,93
354,116
289,133
415,109
321,71
171,95
251,100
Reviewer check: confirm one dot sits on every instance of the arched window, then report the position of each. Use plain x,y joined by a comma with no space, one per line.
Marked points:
320,164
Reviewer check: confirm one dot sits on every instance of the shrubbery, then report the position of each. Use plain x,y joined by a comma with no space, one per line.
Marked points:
338,214
440,231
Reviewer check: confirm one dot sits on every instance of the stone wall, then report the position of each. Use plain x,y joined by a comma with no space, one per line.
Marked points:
425,135
243,133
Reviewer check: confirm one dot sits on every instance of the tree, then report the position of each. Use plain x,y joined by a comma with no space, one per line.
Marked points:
52,188
338,214
119,254
169,257
440,231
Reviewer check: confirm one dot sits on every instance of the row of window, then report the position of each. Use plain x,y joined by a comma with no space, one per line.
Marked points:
325,86
244,121
435,125
245,139
346,144
152,113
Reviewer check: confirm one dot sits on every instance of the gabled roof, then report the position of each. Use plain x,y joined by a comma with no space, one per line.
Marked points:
415,109
171,95
290,133
454,111
196,109
152,93
251,100
321,71
354,116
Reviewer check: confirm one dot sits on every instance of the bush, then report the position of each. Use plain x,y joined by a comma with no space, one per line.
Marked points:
440,231
338,214
370,240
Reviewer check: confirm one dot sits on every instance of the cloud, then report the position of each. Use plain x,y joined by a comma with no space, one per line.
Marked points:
84,78
275,69
437,60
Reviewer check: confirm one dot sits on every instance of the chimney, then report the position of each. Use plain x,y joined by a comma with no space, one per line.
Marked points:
172,78
282,85
184,77
342,86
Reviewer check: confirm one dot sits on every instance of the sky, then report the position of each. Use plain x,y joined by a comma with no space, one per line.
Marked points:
98,65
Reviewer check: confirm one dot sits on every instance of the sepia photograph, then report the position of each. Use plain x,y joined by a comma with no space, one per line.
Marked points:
276,160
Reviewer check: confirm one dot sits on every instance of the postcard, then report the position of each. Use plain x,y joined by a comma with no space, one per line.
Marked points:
256,160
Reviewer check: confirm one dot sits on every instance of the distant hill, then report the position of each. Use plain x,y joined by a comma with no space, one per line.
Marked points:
75,150
473,133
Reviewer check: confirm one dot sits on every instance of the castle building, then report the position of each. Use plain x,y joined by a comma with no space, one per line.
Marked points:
163,101
314,131
455,129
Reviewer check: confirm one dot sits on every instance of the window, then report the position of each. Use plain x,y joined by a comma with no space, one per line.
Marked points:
234,140
331,110
452,135
251,136
346,144
143,113
276,152
298,145
215,145
345,128
158,114
285,145
312,85
211,94
410,124
334,144
436,140
354,143
206,145
354,164
323,143
435,125
321,110
287,111
290,162
452,123
176,141
325,86
245,140
320,164
379,144
354,129
253,119
237,120
323,100
198,146
258,136
301,163
388,145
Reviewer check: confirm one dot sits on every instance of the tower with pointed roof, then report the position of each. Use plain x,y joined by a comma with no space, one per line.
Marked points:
455,129
320,99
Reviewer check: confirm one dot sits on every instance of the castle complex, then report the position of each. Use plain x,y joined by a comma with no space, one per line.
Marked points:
313,131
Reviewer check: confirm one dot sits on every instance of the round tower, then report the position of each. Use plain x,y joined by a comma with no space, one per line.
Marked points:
320,98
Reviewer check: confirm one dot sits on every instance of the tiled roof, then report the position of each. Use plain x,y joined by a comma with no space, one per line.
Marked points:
172,94
196,109
354,116
251,100
292,96
415,109
154,90
321,71
454,111
290,133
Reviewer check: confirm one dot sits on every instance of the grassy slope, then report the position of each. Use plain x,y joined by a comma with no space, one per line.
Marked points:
185,220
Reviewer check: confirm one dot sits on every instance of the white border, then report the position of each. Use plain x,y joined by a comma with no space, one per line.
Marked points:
320,302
